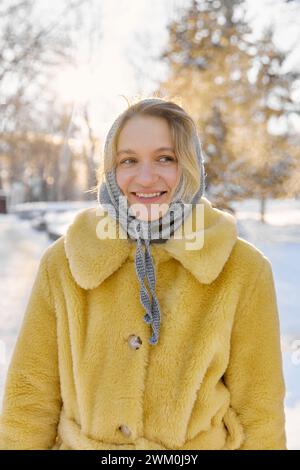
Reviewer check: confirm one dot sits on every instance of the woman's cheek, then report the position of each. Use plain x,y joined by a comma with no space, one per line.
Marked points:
171,176
123,179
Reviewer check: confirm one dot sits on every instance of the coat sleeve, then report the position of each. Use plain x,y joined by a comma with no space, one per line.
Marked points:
32,401
254,375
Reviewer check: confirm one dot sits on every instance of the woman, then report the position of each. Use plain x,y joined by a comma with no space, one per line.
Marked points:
151,324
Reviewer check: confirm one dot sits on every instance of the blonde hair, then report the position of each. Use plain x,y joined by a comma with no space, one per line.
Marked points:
183,131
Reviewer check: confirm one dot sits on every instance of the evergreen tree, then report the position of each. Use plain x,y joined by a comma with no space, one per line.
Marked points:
233,87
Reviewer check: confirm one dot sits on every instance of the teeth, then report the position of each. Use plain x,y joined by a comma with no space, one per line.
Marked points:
148,195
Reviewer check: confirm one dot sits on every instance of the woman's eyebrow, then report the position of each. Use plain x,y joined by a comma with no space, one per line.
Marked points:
132,152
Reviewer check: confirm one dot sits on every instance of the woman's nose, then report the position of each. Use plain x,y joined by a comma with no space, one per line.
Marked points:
146,175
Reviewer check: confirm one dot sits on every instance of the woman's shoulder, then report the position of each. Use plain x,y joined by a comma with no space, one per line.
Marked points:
54,254
80,229
247,260
81,255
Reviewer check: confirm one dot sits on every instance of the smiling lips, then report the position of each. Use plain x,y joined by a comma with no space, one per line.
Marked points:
149,197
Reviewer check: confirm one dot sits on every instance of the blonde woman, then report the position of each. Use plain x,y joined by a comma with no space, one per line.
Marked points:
151,323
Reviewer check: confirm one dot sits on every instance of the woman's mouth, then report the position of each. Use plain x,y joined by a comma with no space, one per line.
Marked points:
148,197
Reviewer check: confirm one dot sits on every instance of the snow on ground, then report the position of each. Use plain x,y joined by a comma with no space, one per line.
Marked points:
21,248
20,251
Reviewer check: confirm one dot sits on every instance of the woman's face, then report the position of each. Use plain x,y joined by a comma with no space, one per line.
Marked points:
147,169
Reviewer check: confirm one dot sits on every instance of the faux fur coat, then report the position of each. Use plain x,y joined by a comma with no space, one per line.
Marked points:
83,375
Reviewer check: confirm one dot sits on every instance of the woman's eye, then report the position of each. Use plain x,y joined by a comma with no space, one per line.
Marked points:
168,158
128,160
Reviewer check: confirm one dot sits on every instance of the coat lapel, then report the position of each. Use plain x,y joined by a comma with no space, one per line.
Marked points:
216,232
92,259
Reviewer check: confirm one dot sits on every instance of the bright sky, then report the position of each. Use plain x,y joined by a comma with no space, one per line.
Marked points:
118,60
128,33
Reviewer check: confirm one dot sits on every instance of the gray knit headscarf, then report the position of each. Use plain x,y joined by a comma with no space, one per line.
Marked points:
145,232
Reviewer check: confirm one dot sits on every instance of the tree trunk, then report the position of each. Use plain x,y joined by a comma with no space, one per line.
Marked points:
262,209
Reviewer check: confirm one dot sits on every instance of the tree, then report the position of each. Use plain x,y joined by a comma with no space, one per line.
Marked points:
234,87
28,49
36,131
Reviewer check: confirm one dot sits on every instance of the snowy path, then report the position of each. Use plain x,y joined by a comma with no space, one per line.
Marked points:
20,252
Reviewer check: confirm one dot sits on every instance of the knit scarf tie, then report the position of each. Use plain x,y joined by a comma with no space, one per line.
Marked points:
146,232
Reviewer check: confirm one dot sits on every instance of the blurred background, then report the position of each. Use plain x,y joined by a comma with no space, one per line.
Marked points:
69,67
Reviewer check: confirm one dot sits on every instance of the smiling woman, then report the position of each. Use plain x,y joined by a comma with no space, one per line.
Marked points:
202,369
155,155
147,169
142,132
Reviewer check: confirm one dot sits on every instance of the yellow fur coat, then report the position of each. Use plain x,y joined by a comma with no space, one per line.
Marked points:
83,375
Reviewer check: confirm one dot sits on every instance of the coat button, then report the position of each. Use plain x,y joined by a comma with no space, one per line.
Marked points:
125,430
134,342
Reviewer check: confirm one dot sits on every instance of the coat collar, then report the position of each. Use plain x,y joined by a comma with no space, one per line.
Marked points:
93,259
